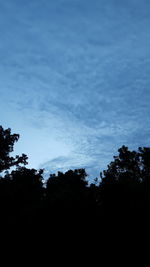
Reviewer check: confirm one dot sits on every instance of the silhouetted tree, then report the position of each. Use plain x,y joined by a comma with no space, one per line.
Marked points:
7,141
67,188
68,198
24,197
129,166
125,185
21,190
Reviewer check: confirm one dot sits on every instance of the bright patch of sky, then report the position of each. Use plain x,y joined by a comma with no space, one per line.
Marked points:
74,79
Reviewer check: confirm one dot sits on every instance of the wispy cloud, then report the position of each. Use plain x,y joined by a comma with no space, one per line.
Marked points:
77,72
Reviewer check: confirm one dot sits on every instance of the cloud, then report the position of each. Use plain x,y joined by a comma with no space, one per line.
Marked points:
77,72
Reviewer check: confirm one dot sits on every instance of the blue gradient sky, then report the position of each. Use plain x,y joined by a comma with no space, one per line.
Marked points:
75,79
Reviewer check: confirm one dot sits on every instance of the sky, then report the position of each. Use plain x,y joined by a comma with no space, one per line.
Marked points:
75,79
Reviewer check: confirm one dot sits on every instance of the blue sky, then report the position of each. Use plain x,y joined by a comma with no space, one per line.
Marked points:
75,79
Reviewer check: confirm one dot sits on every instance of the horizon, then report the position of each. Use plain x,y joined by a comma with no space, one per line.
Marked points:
75,80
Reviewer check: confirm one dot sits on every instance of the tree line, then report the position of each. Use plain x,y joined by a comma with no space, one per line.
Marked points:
25,197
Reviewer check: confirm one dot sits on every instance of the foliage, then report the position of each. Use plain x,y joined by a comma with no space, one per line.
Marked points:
24,196
7,141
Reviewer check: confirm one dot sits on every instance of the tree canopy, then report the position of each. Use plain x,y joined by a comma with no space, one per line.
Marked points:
7,141
124,188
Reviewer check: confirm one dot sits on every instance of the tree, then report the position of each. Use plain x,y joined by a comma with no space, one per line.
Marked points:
66,188
126,182
7,141
128,166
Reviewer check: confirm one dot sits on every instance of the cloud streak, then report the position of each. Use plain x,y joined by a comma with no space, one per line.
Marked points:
77,72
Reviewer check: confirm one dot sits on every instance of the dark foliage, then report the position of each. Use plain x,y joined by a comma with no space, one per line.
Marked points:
125,184
65,198
7,141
